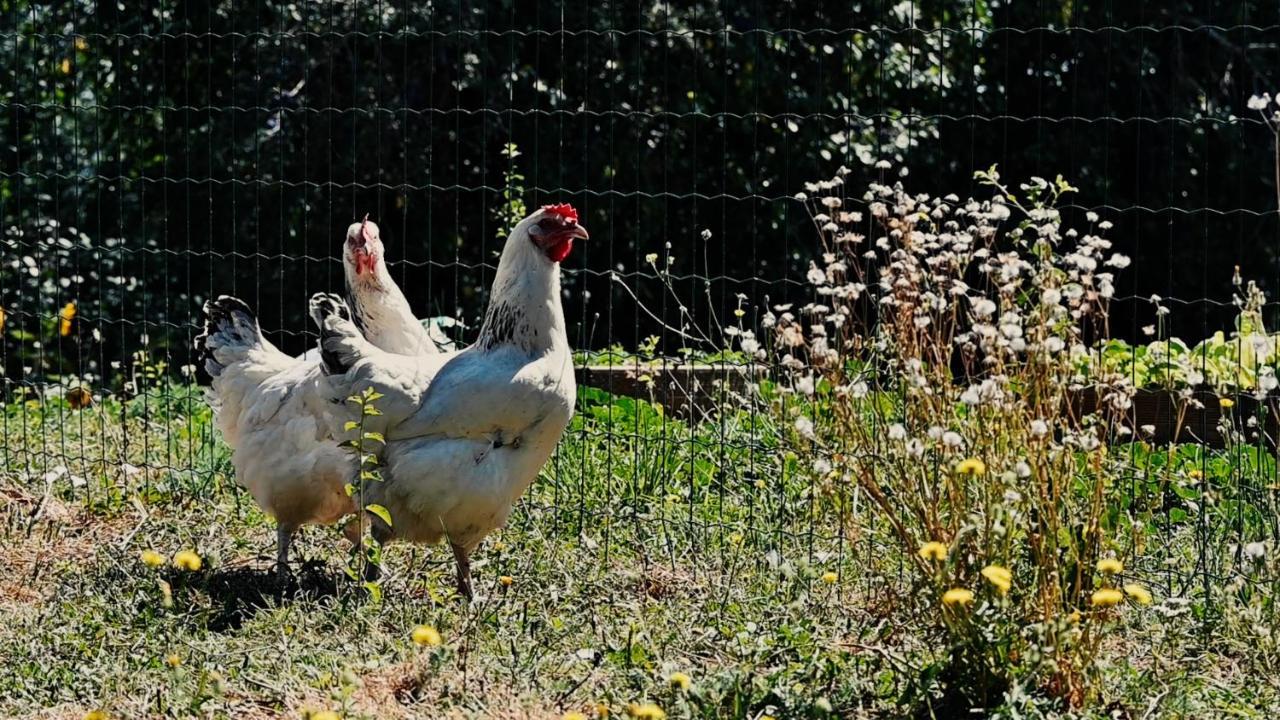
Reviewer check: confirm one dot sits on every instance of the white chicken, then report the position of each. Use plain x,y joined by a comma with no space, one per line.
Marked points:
465,433
270,407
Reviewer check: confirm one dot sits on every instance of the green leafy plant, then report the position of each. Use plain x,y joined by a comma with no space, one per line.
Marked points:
362,445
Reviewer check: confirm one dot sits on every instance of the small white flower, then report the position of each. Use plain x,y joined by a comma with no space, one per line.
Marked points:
1039,428
915,448
1259,102
706,234
651,258
821,466
952,439
897,432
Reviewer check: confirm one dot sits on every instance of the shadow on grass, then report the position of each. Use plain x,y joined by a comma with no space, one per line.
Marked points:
243,591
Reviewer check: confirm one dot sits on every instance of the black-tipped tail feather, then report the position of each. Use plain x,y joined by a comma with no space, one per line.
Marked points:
336,356
228,322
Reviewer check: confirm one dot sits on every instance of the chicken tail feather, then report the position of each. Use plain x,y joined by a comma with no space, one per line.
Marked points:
230,330
340,339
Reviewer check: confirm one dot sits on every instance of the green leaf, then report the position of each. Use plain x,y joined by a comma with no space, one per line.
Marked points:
375,590
381,512
351,489
350,425
376,437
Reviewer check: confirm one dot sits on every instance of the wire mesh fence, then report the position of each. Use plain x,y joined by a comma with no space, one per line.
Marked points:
160,155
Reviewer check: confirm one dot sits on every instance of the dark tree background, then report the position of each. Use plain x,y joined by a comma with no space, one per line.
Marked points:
153,154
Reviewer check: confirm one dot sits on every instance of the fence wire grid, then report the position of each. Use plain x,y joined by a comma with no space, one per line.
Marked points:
159,154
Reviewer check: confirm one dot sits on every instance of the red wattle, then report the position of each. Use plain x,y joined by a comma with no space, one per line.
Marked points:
561,250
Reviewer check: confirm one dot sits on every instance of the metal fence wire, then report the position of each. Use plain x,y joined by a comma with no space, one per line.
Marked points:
158,154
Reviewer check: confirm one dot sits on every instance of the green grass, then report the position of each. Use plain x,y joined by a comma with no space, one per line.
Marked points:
650,545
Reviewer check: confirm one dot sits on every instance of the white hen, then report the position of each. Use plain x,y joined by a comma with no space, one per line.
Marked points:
269,406
466,433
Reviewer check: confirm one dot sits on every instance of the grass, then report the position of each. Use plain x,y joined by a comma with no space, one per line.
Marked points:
650,546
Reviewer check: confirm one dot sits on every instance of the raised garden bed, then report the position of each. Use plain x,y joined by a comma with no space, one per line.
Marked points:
1159,410
689,390
694,390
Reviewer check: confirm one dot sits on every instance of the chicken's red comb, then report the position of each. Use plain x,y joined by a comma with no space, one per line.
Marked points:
564,210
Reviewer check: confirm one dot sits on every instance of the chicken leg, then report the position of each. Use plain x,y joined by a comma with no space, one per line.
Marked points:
462,557
284,538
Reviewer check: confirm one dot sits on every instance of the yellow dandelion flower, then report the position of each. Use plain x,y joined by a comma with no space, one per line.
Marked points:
972,467
173,660
957,597
739,313
1195,474
829,577
1226,403
1140,594
999,577
499,546
151,558
65,66
506,580
573,715
680,681
426,636
325,715
935,551
187,560
97,715
1110,566
1106,597
81,44
1074,617
601,710
65,316
647,711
